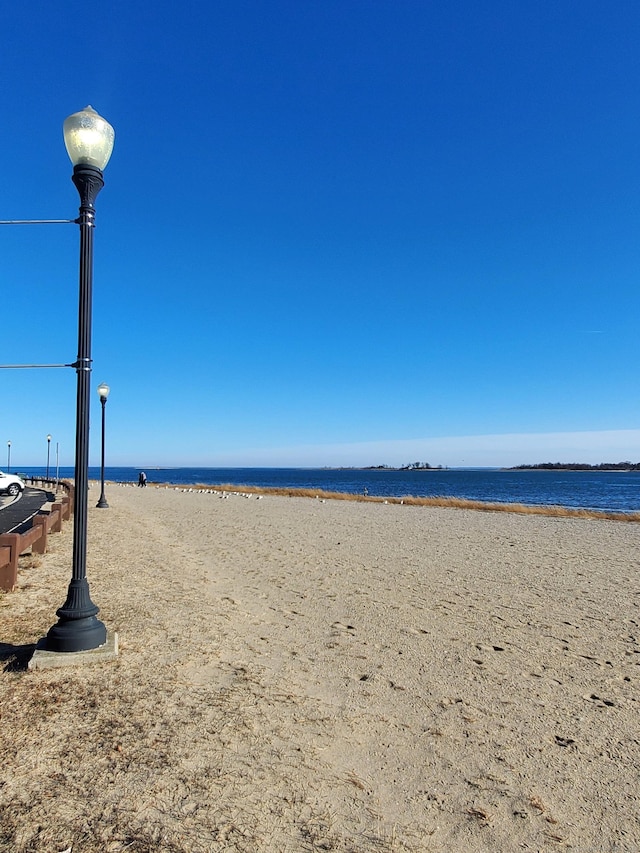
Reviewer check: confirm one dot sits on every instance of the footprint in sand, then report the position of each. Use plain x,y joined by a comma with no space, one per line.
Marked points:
484,648
340,626
601,703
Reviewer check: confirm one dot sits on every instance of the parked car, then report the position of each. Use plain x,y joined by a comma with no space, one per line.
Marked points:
10,484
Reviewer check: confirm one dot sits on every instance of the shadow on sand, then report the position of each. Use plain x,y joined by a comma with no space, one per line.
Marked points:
16,658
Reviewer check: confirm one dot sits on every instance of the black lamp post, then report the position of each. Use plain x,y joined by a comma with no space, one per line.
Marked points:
48,453
103,393
8,457
89,142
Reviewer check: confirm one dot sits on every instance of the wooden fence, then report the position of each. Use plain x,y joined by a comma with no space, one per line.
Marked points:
12,545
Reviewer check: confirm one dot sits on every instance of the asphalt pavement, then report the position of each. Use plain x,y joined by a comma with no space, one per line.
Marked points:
15,514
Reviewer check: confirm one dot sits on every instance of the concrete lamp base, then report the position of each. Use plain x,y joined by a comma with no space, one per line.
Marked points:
44,659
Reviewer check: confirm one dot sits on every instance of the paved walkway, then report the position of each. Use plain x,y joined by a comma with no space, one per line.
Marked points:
15,513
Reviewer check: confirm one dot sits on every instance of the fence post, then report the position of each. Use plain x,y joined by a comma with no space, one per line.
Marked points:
40,545
66,507
56,509
9,572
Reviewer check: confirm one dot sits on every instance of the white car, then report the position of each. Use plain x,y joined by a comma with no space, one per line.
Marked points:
10,484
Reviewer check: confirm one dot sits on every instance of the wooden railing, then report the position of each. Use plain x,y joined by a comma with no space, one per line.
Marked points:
12,545
51,482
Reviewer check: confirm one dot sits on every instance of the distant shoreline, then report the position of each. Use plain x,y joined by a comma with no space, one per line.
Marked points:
388,468
604,467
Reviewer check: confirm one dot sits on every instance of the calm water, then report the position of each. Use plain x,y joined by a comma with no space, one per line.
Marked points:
619,491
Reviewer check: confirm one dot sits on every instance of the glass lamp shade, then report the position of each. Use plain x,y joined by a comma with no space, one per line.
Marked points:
88,138
48,438
103,391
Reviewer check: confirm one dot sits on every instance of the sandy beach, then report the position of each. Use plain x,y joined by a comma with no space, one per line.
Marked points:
299,675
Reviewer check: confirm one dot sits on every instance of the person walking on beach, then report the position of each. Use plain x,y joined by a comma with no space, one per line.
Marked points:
142,479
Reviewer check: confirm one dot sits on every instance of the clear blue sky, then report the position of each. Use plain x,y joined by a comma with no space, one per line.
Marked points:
332,231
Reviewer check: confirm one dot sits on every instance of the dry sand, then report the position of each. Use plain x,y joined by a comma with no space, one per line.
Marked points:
298,675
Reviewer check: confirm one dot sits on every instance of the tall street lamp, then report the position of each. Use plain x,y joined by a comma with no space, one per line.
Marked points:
48,453
103,393
8,457
89,142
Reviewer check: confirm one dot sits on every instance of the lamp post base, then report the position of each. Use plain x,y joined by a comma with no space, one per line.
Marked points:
102,503
44,659
76,635
78,629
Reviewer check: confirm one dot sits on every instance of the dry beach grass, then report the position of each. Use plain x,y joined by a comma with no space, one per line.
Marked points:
306,675
435,500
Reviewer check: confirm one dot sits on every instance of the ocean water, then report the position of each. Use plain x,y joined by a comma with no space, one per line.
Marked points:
600,490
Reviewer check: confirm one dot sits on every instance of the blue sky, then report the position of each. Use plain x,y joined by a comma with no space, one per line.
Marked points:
354,232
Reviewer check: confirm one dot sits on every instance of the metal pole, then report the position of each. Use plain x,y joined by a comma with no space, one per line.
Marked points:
48,453
57,464
102,503
78,629
8,457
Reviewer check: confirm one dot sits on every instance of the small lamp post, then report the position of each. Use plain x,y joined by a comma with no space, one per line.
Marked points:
8,457
103,393
48,452
89,142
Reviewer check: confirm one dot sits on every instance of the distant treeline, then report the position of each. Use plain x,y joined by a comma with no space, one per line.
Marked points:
579,466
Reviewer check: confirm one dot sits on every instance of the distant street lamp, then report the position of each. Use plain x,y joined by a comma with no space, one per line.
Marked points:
48,452
8,457
89,142
103,393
